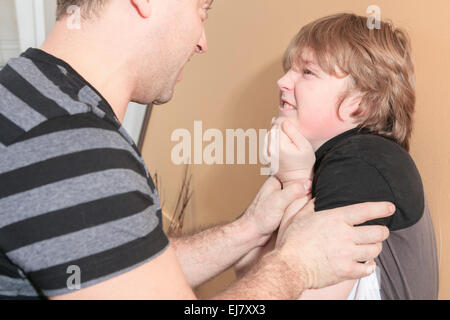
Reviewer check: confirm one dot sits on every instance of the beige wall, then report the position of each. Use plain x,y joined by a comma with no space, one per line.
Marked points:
233,86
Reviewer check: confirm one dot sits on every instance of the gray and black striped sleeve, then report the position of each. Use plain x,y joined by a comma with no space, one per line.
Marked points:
73,192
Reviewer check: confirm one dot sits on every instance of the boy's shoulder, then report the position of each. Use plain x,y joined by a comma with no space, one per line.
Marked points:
360,167
385,156
374,150
371,148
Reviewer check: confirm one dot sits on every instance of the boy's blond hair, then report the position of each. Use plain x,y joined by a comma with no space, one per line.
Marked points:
378,61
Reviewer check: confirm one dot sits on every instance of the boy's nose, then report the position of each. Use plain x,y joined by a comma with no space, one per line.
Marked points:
284,84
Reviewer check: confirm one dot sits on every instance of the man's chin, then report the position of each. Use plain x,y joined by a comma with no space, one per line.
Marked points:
163,99
159,103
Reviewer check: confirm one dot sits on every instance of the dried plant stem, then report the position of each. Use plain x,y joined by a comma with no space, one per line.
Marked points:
184,196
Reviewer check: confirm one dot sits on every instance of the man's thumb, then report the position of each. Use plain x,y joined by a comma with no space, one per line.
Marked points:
294,191
308,208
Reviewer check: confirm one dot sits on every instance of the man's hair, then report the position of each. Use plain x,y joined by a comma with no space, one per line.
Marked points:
87,7
378,61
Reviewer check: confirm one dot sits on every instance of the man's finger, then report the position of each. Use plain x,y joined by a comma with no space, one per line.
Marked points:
361,270
363,212
293,134
370,234
271,185
367,252
308,208
285,197
285,141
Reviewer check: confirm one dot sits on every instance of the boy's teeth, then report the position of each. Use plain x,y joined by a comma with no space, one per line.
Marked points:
288,106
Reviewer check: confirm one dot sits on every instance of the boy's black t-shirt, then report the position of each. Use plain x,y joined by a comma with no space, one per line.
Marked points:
357,167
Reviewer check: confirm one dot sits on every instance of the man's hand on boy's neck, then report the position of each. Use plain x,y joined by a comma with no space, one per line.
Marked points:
292,157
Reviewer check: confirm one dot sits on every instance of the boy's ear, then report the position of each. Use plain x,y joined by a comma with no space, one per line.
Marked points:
350,105
143,7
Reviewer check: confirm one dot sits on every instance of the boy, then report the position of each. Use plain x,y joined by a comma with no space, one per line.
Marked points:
350,91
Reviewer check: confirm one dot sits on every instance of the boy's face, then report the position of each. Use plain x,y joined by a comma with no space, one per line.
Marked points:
310,97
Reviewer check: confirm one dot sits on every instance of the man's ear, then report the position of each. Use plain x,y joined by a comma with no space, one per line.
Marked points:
143,7
350,105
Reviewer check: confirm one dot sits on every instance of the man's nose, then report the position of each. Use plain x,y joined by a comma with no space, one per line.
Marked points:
202,45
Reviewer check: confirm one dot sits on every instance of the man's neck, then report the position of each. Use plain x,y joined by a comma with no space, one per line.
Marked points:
90,53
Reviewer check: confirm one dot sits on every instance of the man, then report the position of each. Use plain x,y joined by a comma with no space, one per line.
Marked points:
77,203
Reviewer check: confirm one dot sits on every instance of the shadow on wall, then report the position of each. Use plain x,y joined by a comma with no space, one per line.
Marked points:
257,102
253,106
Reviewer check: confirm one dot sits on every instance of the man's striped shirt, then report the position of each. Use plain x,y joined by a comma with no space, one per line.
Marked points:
76,199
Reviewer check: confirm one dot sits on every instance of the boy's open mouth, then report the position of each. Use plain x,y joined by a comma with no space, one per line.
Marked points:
287,106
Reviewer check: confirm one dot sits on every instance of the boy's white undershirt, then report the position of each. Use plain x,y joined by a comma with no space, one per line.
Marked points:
367,288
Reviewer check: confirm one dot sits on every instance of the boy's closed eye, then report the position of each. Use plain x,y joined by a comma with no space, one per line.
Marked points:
308,72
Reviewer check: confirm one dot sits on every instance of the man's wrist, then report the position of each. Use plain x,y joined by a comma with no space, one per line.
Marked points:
294,267
290,279
249,228
269,278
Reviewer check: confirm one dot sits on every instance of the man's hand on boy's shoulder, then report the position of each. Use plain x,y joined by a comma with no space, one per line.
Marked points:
328,245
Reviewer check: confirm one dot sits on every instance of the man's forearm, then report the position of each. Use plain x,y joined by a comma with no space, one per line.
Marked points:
208,253
270,279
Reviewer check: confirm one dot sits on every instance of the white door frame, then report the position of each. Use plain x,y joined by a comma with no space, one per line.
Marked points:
31,23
